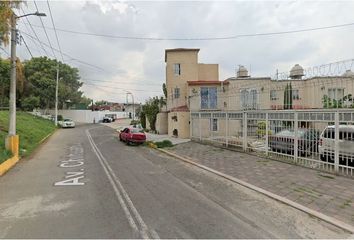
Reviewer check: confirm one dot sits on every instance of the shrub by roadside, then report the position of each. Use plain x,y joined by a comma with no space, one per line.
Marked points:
161,144
32,130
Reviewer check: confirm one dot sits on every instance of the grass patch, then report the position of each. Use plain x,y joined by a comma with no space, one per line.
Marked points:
31,129
4,154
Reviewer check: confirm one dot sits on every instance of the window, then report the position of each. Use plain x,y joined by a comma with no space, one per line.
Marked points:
177,69
208,97
296,95
336,93
273,95
249,99
176,93
214,124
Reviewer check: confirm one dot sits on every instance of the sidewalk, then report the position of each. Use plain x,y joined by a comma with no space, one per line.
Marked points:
329,194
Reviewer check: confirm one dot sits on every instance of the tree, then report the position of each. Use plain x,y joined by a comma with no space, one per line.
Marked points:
288,97
150,109
30,103
6,13
41,81
5,67
164,89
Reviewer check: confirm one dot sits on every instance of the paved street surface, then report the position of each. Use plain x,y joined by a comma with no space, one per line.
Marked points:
326,193
84,183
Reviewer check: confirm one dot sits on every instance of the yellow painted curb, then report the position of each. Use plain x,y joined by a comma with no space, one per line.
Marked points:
9,163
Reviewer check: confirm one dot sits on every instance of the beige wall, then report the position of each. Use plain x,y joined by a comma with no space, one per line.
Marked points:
311,92
162,123
208,72
189,71
182,124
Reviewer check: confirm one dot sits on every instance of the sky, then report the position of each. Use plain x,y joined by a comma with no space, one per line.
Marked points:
118,65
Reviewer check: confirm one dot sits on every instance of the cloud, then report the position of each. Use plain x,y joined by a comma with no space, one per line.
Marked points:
139,64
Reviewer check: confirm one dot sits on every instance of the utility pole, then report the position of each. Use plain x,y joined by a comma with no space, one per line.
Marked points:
12,140
133,102
56,97
12,102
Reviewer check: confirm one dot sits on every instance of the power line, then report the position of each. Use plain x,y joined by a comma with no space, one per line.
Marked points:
110,87
26,46
67,55
4,50
56,35
202,38
37,45
45,31
117,82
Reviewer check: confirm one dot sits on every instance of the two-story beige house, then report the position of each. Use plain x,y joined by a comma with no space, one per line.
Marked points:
182,71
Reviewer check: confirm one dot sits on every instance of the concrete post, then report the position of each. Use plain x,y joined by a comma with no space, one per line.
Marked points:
12,102
244,133
56,97
200,128
336,141
266,134
296,137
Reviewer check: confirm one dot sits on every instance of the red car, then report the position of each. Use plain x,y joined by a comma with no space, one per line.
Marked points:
132,135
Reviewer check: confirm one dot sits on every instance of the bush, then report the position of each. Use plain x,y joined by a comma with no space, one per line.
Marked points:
30,103
134,122
164,143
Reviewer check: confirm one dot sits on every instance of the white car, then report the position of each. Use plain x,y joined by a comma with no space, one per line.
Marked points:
346,144
66,123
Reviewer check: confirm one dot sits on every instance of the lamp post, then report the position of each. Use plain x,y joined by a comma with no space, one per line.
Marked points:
130,93
12,139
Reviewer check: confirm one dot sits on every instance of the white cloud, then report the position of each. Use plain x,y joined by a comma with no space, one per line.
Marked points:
140,64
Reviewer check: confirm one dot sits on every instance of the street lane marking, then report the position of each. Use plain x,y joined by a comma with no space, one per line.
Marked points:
76,159
127,205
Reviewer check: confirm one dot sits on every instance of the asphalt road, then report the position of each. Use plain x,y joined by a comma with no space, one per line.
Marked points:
84,183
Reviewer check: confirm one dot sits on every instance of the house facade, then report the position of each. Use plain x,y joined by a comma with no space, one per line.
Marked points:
182,67
195,87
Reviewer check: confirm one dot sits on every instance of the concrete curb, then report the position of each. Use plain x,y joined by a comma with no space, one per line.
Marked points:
8,164
284,200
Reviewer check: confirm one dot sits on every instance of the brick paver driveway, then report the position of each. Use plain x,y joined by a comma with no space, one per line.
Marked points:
330,194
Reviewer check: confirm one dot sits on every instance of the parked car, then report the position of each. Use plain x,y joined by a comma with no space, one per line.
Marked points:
112,116
132,135
66,123
346,144
283,141
107,119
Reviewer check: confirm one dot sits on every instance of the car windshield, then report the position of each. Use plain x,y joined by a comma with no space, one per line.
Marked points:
136,130
67,120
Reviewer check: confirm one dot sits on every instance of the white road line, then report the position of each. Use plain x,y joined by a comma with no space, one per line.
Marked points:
120,199
144,229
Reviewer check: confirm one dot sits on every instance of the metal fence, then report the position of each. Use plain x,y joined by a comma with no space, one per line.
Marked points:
305,137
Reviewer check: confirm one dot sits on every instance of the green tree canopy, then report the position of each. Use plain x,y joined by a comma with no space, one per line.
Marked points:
41,74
